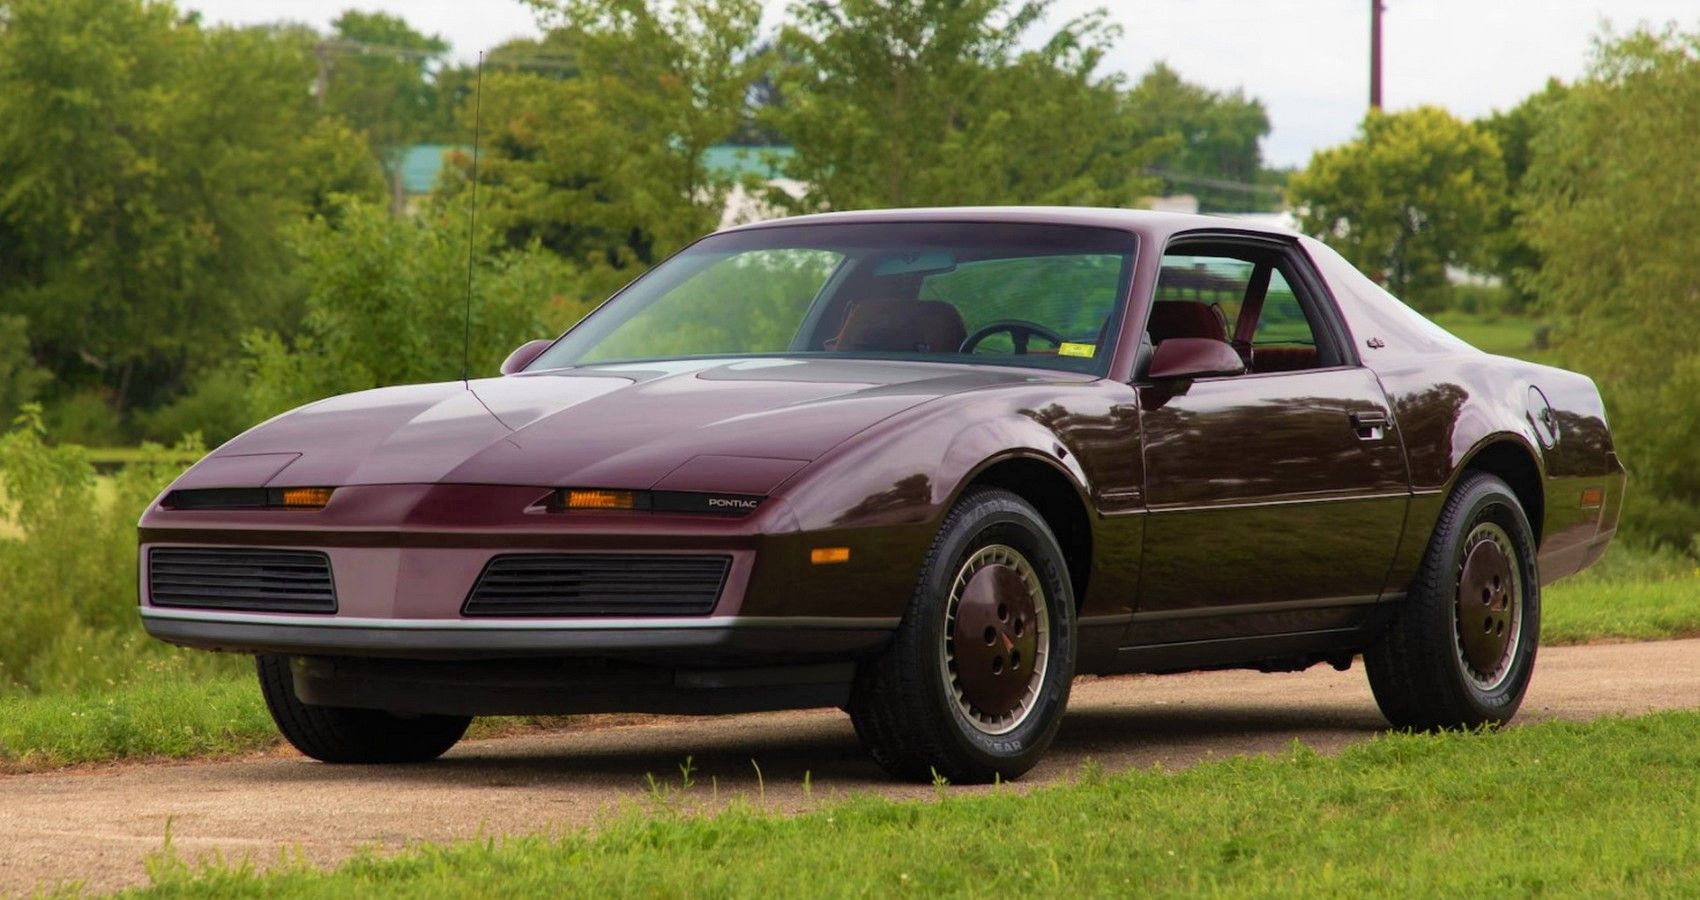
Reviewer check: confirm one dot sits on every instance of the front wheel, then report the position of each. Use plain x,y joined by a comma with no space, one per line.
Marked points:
975,681
1461,650
335,735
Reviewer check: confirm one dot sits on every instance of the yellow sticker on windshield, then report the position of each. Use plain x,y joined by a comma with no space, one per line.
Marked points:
1068,349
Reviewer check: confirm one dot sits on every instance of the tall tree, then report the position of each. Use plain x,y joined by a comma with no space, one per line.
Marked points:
934,102
1517,131
1416,192
1217,137
1612,209
607,168
377,72
146,168
550,57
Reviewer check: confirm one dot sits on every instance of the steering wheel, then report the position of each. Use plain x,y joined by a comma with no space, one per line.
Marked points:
1020,331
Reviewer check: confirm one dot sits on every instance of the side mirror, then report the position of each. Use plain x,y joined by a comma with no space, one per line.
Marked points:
1178,358
524,356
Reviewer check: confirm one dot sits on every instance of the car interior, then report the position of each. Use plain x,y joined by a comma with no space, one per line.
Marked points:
1055,307
900,326
1244,299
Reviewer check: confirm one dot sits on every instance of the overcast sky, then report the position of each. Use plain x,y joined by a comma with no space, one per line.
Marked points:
1305,59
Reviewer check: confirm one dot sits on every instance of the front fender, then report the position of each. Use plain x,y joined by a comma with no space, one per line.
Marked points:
910,468
883,492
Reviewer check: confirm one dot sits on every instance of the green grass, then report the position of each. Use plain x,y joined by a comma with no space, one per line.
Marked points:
174,714
1629,595
107,457
1609,807
171,716
1581,613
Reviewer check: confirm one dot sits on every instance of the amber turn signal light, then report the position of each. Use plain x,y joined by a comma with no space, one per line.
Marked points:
583,499
1592,497
305,498
821,556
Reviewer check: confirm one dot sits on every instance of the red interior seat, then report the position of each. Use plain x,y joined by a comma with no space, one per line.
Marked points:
1283,359
1183,318
901,326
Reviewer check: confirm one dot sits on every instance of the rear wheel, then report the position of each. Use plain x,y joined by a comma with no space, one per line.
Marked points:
1462,648
335,735
975,681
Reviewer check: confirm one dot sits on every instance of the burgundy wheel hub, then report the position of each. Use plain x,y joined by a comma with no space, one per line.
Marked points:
1489,599
995,640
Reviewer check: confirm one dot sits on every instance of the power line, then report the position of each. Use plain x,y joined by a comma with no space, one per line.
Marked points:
362,48
1243,187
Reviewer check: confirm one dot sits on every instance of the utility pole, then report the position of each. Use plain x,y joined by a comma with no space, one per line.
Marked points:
1375,10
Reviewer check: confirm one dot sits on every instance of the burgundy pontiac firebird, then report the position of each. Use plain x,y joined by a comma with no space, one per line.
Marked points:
924,465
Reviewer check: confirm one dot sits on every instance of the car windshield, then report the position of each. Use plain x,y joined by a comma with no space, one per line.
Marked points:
1046,296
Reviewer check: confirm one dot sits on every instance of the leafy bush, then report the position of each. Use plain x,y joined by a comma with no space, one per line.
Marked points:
217,408
85,417
71,571
387,302
20,377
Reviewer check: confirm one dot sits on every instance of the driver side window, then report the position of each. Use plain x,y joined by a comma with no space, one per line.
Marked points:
1070,295
1246,301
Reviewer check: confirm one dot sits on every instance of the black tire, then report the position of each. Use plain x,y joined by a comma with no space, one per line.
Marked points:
1425,671
361,736
906,704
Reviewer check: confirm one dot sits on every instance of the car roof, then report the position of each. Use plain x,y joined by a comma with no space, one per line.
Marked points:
1142,221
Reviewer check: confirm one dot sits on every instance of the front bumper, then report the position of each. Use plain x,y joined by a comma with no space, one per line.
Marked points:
696,640
404,558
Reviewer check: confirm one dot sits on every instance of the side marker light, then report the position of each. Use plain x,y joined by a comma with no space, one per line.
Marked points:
821,556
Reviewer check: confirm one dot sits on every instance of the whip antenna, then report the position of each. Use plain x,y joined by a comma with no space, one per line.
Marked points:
472,223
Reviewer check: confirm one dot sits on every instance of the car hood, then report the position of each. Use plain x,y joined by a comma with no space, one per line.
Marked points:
730,425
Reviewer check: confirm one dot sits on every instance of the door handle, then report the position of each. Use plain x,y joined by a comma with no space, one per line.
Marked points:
1370,426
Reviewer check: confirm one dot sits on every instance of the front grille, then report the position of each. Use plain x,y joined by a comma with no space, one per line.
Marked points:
584,584
259,580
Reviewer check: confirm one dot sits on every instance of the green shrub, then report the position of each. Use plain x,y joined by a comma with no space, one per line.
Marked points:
387,304
20,377
71,571
218,407
84,417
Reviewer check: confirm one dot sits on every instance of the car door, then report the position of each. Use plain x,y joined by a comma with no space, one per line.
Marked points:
1275,497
